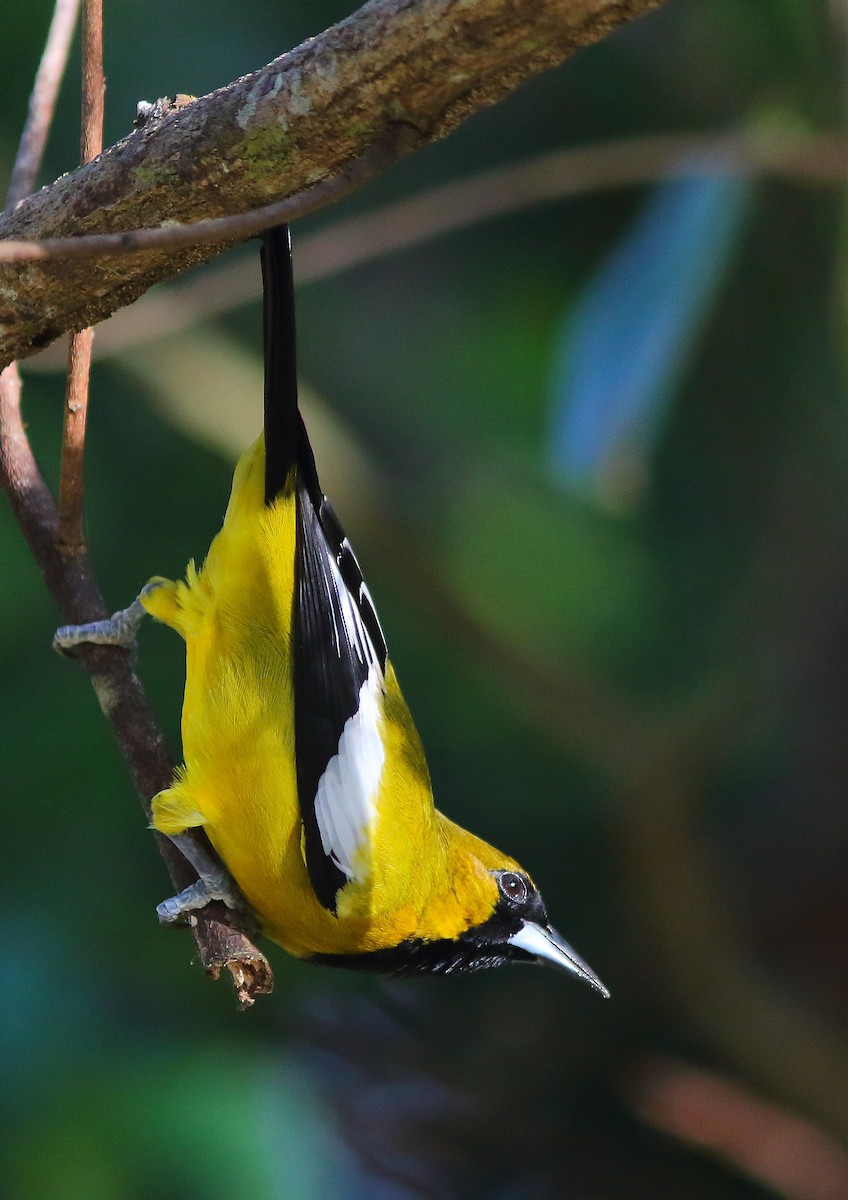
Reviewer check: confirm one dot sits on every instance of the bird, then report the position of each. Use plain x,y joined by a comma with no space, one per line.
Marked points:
301,762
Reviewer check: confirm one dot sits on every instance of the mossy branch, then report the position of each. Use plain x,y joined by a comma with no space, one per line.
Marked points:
422,66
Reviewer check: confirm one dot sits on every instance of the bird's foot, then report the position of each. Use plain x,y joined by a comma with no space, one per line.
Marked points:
214,883
118,630
196,895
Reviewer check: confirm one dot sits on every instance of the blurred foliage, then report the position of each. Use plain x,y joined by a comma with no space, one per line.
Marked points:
631,333
635,685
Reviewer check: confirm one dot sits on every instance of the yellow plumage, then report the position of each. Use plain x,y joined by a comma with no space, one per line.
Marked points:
301,760
426,877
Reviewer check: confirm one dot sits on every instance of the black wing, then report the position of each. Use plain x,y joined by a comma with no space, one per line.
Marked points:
338,645
337,642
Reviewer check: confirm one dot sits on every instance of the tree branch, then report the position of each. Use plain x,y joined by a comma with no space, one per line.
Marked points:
424,65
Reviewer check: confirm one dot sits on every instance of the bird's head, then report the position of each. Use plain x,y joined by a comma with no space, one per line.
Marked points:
504,919
482,910
518,930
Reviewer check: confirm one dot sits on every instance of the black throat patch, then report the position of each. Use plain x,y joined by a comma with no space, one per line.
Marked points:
478,949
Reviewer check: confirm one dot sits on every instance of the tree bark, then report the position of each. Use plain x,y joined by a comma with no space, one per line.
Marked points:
424,65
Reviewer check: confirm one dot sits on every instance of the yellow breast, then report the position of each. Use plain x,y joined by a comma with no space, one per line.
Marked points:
423,876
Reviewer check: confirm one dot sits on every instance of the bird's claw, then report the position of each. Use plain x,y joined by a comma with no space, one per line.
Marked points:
213,883
120,629
198,895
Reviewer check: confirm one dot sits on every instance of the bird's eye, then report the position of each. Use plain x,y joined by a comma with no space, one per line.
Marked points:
513,887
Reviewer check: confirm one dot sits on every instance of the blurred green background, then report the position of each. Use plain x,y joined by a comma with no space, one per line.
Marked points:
594,458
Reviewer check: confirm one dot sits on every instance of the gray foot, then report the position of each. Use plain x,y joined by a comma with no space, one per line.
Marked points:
215,883
118,630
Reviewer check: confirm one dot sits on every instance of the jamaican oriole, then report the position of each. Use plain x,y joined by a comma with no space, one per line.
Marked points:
302,762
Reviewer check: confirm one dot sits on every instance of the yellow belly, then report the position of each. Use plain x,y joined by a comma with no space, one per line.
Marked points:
239,779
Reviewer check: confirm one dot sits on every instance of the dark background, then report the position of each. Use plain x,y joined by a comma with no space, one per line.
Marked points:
612,431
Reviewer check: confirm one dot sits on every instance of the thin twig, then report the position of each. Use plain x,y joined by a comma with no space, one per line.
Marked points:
42,101
561,174
93,81
449,207
233,228
71,481
18,470
71,476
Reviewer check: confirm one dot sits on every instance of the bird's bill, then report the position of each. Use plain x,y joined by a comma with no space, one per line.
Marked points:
545,944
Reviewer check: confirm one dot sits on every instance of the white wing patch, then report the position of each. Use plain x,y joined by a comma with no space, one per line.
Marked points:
346,800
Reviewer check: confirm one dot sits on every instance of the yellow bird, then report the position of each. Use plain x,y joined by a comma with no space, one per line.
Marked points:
301,760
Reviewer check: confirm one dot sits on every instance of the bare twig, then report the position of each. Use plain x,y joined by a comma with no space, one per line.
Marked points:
216,230
71,478
561,174
18,469
71,481
424,65
93,81
456,205
221,944
449,207
42,101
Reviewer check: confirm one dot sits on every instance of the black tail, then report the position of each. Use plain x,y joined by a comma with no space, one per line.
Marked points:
281,416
